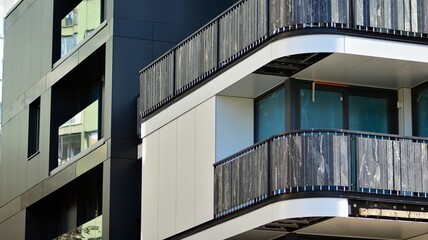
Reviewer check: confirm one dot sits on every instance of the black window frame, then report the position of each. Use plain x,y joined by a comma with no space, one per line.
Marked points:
292,105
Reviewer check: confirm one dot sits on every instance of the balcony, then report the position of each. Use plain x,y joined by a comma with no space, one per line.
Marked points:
250,24
322,161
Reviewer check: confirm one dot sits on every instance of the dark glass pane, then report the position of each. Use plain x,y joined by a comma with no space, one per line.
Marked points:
325,112
270,117
368,114
422,113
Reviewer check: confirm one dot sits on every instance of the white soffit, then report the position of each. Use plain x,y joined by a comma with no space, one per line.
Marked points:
252,85
242,226
367,71
368,228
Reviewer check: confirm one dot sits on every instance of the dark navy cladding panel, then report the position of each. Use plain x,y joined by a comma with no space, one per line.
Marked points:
133,28
129,55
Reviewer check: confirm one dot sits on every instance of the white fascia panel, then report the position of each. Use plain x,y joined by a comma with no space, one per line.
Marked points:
320,43
386,49
311,207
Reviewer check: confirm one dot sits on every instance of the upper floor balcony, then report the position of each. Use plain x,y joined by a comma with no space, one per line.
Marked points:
335,162
251,24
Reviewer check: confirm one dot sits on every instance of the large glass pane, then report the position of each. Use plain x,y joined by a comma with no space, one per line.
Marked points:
325,111
368,114
422,113
270,111
79,23
78,133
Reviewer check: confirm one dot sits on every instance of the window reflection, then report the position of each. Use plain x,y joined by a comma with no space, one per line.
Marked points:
368,114
270,116
325,112
79,23
89,230
422,113
78,133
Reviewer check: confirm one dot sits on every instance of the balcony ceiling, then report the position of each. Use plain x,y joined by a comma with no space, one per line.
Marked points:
342,68
354,228
366,71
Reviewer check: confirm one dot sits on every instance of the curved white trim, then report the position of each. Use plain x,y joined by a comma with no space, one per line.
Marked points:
296,208
330,43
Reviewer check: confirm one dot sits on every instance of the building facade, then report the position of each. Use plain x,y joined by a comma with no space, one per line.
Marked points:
69,166
284,119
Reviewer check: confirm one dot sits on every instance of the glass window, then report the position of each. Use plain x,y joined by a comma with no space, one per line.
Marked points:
326,111
422,113
80,21
78,133
368,114
270,112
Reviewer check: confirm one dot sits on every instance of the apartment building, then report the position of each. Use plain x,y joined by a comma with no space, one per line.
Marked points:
290,119
69,166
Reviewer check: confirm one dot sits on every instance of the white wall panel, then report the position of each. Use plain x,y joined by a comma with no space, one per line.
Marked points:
234,125
205,158
185,171
167,179
149,198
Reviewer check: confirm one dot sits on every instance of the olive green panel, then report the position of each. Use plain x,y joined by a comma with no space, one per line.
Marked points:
45,112
107,98
14,227
91,160
47,16
7,54
37,39
9,166
24,59
106,198
62,69
20,149
35,91
4,168
32,170
32,195
10,209
14,83
59,179
10,55
28,43
94,43
15,14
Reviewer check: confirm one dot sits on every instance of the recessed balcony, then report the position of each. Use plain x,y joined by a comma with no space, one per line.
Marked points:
330,161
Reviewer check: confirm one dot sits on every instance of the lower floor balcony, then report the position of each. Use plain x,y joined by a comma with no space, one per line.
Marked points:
323,161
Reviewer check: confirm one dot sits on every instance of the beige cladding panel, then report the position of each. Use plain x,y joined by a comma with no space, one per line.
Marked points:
150,187
167,179
185,217
205,158
184,150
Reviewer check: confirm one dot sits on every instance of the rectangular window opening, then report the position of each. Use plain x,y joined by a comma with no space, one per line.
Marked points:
78,133
34,128
74,21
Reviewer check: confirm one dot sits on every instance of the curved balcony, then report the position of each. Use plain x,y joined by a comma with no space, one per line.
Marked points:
250,23
322,160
